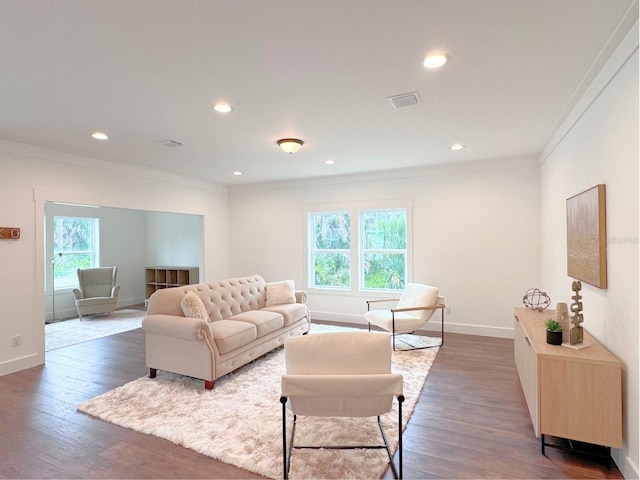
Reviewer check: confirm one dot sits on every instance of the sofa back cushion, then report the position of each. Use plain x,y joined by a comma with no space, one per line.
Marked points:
222,299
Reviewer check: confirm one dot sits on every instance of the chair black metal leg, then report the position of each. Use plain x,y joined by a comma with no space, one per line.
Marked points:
393,330
400,400
442,328
285,467
386,447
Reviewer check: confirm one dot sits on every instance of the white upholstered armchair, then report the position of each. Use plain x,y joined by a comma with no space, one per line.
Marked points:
339,375
98,292
412,311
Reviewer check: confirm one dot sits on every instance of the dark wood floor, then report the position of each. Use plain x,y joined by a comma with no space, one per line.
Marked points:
471,421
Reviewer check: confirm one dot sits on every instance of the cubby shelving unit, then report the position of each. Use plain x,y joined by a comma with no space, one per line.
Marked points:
166,277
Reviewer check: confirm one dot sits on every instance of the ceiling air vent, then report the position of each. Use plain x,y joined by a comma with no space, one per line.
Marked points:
404,100
169,143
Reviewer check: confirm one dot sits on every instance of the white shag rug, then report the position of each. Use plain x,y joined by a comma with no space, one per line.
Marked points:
71,332
240,421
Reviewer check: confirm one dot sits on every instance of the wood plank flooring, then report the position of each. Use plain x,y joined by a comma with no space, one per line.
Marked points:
471,421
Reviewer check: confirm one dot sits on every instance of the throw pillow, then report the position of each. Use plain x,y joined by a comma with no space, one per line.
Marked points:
193,307
279,293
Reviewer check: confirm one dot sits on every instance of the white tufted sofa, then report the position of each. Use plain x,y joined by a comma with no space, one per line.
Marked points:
240,327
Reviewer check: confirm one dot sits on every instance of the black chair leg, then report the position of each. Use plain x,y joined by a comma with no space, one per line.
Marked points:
285,467
400,400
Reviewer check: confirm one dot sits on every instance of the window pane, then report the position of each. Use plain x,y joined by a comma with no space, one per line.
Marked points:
72,234
332,269
76,239
332,231
384,270
385,230
66,266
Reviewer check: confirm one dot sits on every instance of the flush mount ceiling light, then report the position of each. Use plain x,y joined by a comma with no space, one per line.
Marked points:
435,60
222,107
290,145
99,136
456,146
329,162
237,173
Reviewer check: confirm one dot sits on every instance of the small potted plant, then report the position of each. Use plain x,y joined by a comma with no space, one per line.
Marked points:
554,332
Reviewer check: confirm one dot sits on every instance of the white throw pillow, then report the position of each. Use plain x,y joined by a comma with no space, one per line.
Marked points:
280,293
193,307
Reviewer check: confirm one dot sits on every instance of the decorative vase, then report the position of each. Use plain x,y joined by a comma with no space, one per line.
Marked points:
562,317
554,338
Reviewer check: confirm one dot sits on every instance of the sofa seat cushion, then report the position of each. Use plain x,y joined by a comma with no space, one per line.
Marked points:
232,334
292,312
265,321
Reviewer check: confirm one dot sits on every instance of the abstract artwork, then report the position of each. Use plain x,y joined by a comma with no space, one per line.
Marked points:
586,237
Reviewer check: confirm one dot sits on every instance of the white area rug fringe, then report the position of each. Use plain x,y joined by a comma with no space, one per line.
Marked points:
239,422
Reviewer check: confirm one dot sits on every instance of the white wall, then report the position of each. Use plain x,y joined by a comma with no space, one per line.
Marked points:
31,176
173,240
476,235
599,144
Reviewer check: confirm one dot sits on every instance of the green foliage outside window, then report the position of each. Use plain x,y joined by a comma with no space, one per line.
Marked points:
331,244
332,231
384,271
332,270
385,244
74,238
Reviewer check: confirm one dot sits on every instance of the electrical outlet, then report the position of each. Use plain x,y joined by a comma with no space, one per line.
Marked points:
15,341
448,310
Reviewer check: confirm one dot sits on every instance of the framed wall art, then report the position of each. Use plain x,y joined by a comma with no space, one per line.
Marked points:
587,237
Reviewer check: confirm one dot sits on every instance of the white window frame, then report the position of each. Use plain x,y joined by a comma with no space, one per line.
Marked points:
94,252
354,209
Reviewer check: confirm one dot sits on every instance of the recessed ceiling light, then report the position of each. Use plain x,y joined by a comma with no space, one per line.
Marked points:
329,162
435,60
237,173
222,107
99,136
456,146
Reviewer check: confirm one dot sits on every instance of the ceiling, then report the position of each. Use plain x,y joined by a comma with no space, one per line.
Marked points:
319,70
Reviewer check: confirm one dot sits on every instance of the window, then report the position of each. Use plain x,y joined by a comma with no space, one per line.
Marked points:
378,245
330,242
76,238
383,253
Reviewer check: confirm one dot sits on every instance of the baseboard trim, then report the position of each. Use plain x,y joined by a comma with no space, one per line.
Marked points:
624,463
22,363
450,326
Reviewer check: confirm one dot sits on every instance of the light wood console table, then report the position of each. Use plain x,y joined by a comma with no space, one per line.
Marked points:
571,394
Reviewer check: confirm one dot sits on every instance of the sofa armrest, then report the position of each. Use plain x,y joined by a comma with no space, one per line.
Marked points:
174,326
78,294
301,296
114,291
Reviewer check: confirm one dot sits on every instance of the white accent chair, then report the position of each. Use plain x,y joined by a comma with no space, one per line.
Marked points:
413,310
339,375
98,292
